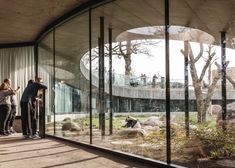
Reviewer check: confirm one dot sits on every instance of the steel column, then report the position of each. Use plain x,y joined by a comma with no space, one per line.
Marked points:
110,84
54,79
223,77
100,81
186,91
167,69
42,123
101,77
90,56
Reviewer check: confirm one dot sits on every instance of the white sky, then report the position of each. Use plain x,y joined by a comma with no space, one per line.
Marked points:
156,64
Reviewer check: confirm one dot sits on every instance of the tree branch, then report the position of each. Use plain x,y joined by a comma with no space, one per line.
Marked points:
231,81
120,49
208,62
200,53
193,69
182,51
212,86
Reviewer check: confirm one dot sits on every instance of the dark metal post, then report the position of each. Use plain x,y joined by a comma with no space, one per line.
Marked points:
90,47
186,98
102,112
223,77
167,62
54,79
42,117
110,84
99,84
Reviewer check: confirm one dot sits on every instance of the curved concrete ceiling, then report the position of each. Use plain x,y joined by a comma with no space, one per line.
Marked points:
22,21
210,16
72,38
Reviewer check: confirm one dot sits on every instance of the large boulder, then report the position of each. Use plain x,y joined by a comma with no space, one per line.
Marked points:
132,133
121,142
70,126
226,163
230,119
215,109
67,119
153,121
231,109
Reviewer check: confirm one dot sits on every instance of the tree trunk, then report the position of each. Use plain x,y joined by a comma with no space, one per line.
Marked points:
202,108
203,97
127,58
209,75
199,102
127,65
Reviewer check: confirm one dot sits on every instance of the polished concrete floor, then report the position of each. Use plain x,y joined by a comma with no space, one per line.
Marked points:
16,152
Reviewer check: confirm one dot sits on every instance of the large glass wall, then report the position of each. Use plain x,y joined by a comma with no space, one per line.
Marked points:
129,95
46,72
138,124
227,59
71,87
198,135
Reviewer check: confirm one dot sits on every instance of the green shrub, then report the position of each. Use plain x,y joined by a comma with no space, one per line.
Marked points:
216,142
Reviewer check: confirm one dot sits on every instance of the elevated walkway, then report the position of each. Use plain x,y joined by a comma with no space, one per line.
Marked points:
80,80
121,89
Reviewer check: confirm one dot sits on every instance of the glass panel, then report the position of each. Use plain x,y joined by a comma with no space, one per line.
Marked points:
199,41
45,71
138,53
228,136
71,87
138,73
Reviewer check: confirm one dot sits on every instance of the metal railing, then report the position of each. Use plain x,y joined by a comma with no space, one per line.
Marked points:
122,80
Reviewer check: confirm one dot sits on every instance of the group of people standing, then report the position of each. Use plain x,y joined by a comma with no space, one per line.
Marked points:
8,103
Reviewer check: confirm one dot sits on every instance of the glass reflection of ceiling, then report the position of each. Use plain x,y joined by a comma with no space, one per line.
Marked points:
158,32
61,74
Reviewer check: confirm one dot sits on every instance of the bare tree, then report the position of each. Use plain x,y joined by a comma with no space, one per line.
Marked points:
129,48
126,49
203,94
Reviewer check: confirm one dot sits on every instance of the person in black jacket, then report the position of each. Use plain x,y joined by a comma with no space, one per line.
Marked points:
27,105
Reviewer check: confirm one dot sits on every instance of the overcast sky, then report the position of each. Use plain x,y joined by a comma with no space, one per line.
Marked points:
156,64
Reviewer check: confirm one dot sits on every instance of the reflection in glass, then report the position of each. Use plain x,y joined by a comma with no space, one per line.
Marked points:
45,71
138,81
138,99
